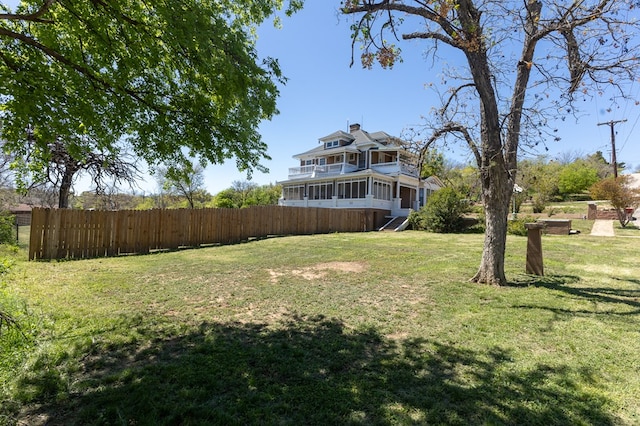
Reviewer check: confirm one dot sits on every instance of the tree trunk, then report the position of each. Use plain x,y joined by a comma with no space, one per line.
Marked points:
496,195
494,163
623,218
65,189
189,195
499,163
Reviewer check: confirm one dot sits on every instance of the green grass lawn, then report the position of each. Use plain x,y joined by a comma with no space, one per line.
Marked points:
630,230
368,328
571,208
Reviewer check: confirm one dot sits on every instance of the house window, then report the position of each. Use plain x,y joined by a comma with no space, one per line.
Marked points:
428,192
356,188
322,161
381,190
331,144
321,191
293,192
308,162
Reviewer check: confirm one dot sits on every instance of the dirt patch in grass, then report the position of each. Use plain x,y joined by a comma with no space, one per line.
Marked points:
320,270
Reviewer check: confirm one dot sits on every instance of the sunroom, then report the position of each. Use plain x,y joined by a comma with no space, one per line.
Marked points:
358,190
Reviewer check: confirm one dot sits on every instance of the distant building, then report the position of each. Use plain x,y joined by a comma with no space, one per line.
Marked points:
358,170
22,213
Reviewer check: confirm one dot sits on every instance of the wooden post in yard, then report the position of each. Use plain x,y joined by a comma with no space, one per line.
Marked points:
534,248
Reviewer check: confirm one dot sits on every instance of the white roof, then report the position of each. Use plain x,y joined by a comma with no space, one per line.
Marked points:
337,135
433,182
359,139
331,151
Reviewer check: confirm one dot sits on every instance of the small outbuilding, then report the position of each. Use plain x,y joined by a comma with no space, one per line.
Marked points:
22,213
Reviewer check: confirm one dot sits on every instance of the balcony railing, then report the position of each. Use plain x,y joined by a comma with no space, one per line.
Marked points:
317,170
409,169
395,167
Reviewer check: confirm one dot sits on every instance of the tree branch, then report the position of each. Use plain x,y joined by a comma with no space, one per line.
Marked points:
33,17
431,35
449,128
370,7
534,10
79,68
454,94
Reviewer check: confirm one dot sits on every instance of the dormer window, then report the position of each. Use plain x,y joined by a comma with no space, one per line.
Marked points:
331,144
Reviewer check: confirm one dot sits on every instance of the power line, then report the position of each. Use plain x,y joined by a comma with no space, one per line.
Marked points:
625,114
630,132
613,144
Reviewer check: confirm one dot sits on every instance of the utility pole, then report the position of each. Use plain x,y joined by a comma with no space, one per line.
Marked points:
613,145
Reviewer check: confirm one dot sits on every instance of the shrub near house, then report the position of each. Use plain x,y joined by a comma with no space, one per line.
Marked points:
444,212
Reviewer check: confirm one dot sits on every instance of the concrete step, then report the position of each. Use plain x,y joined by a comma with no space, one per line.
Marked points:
393,224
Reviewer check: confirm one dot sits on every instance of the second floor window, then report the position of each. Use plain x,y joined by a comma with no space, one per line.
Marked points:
331,144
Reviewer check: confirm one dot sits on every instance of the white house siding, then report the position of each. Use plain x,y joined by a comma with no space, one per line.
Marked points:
380,192
357,170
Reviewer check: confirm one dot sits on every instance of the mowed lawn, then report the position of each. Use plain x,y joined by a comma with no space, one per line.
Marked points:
363,328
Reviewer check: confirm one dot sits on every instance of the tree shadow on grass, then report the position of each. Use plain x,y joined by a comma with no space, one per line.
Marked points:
623,297
311,371
630,280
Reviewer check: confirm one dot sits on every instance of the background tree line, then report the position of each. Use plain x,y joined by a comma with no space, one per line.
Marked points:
543,179
540,181
239,195
567,177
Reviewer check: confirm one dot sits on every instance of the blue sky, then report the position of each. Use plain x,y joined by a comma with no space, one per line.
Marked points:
324,94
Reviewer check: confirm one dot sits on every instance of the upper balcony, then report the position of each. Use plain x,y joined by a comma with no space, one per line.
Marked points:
396,167
317,170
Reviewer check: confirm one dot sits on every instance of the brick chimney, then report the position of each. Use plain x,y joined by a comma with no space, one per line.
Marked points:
353,127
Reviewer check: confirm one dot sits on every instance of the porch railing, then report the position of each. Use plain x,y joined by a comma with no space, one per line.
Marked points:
316,170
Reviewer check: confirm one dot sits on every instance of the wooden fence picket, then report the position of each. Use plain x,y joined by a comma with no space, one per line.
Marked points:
60,234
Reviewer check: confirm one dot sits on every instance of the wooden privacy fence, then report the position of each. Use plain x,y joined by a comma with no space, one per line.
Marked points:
77,234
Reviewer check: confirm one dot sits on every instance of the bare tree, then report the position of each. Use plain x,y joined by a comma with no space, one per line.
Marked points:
105,170
186,181
525,63
568,157
57,167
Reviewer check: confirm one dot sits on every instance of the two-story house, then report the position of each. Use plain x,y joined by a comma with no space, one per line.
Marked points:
358,170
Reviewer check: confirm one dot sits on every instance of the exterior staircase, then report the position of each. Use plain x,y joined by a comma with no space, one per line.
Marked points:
395,224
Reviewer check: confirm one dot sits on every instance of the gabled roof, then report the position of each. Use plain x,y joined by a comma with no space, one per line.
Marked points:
380,136
332,151
364,139
433,182
338,135
361,140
